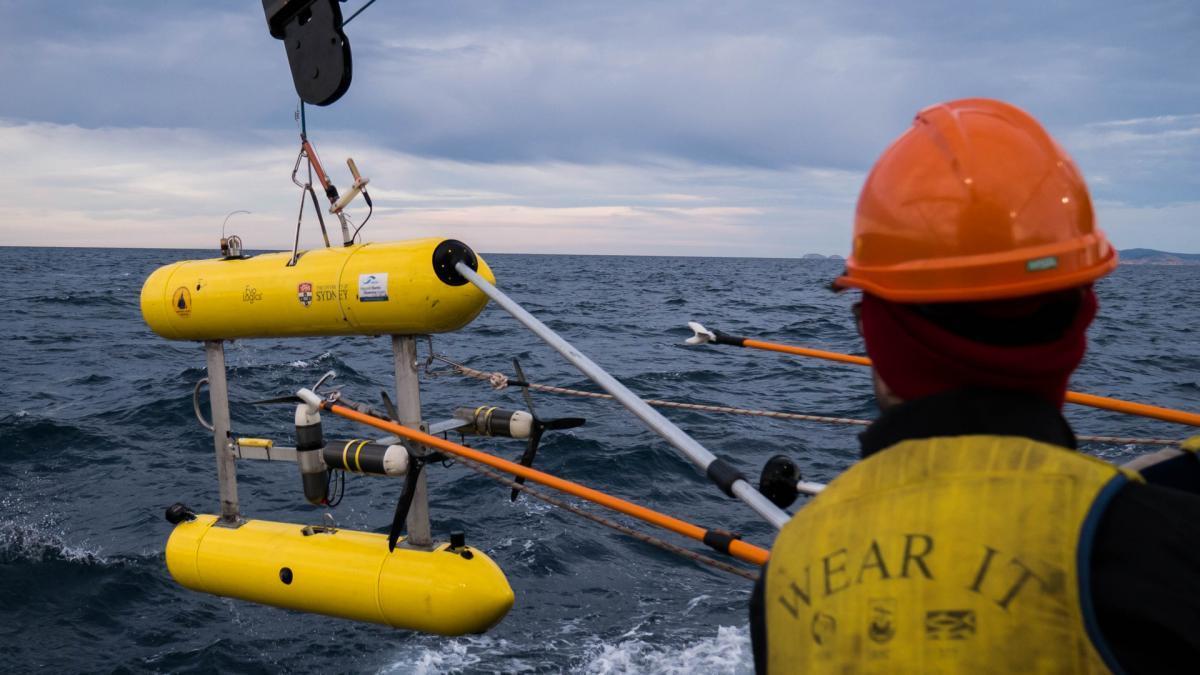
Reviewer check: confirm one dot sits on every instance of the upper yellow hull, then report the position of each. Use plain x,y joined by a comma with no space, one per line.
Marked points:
365,289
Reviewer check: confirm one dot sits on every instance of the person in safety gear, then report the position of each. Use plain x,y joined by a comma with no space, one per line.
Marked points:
973,537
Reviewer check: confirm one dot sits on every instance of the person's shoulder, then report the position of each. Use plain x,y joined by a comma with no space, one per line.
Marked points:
1145,577
1142,509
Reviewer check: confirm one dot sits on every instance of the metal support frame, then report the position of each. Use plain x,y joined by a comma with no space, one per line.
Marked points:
408,407
218,398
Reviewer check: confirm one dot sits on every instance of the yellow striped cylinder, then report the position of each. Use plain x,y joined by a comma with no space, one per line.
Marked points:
343,573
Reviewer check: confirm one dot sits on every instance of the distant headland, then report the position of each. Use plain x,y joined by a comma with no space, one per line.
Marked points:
1149,256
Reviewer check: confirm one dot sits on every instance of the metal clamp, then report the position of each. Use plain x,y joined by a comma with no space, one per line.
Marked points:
196,404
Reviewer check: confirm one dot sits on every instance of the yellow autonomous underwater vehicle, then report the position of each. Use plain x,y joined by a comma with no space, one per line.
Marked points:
412,582
401,289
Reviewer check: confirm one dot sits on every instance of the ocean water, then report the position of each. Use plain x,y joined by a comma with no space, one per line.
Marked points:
97,436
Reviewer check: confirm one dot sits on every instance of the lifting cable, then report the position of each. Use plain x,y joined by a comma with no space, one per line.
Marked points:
500,381
640,536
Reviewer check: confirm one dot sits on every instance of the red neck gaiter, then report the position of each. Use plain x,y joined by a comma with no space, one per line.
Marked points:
918,358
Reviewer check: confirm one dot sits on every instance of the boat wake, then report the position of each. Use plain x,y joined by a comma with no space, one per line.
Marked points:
726,653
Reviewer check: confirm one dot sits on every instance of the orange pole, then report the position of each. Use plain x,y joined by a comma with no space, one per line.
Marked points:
737,548
1102,402
1129,407
804,351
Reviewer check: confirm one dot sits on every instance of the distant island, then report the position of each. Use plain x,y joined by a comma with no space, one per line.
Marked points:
1149,256
818,256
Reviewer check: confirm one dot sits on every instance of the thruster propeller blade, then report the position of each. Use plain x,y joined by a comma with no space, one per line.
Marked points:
563,423
524,386
388,406
535,439
531,448
539,426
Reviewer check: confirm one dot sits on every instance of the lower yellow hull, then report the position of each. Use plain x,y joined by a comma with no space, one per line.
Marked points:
341,573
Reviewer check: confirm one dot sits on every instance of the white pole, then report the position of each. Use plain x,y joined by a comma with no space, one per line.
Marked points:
653,419
808,488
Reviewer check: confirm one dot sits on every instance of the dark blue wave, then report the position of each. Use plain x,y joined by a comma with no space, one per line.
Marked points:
99,436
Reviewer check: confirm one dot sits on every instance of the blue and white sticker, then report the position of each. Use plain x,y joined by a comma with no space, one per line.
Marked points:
373,287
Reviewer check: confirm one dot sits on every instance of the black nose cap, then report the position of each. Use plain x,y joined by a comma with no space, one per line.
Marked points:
778,482
448,254
177,513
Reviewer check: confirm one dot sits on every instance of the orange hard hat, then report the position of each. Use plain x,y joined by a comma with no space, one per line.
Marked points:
974,202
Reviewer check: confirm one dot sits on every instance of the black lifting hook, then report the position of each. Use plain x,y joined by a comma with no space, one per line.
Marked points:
317,49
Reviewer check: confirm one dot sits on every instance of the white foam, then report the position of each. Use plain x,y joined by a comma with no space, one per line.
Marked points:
40,543
457,655
301,363
454,656
696,601
726,653
533,507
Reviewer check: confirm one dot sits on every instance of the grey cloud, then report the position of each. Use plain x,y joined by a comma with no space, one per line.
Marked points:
767,84
1141,161
742,103
142,64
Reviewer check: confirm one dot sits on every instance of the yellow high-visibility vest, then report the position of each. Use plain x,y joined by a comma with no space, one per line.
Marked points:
965,554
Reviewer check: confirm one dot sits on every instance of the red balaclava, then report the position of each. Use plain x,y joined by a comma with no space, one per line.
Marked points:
916,357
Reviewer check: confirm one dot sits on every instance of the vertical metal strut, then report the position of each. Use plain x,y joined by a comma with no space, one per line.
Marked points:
408,407
218,399
653,419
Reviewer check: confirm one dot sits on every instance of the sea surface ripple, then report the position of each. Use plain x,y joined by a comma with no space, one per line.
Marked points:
98,437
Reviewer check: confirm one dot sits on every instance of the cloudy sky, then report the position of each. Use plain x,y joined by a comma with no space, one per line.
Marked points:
648,127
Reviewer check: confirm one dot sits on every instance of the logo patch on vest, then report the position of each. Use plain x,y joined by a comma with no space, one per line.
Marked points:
949,624
881,627
824,627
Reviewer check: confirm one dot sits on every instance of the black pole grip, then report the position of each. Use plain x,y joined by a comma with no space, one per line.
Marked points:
719,540
723,474
727,339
